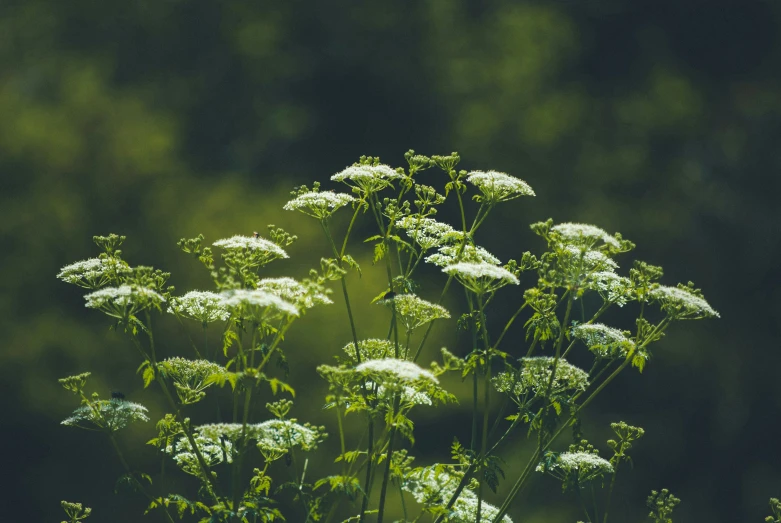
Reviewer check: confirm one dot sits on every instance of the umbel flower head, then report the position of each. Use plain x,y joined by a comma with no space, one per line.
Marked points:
576,467
391,370
683,303
604,341
498,187
281,434
433,487
213,450
301,295
252,251
428,232
318,204
286,434
611,287
414,312
203,306
94,272
123,301
371,349
257,305
190,377
481,278
535,376
110,415
367,178
450,254
584,234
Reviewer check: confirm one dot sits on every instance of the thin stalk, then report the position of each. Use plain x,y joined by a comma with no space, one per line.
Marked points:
129,472
367,482
338,256
610,492
486,398
388,459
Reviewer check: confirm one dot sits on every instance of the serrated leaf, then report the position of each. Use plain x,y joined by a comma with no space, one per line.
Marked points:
379,252
148,376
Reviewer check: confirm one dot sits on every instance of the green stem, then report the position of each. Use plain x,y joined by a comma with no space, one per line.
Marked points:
367,482
388,459
129,472
486,399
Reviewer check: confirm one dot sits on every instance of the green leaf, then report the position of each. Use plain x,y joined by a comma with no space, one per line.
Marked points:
380,249
148,376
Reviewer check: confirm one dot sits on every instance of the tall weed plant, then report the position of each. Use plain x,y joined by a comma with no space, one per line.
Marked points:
250,463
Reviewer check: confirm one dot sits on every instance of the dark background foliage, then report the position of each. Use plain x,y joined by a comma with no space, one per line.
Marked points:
165,118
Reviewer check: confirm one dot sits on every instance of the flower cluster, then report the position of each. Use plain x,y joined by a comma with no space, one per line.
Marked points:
590,260
203,306
481,278
611,287
432,486
110,415
251,251
213,451
579,467
94,272
428,232
370,349
498,187
301,295
683,303
535,376
280,434
604,341
257,305
368,178
190,377
450,254
414,312
318,204
392,370
123,301
584,234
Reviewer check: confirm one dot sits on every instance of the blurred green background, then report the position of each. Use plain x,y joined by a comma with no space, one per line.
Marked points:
167,118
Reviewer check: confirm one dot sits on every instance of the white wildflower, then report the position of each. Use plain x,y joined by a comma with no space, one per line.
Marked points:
370,178
286,434
612,287
481,278
682,303
111,415
449,254
122,301
592,261
295,292
189,377
499,187
428,232
263,248
318,204
213,450
371,349
257,304
434,487
203,306
604,341
397,370
535,376
409,395
414,312
584,234
225,431
94,272
585,466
